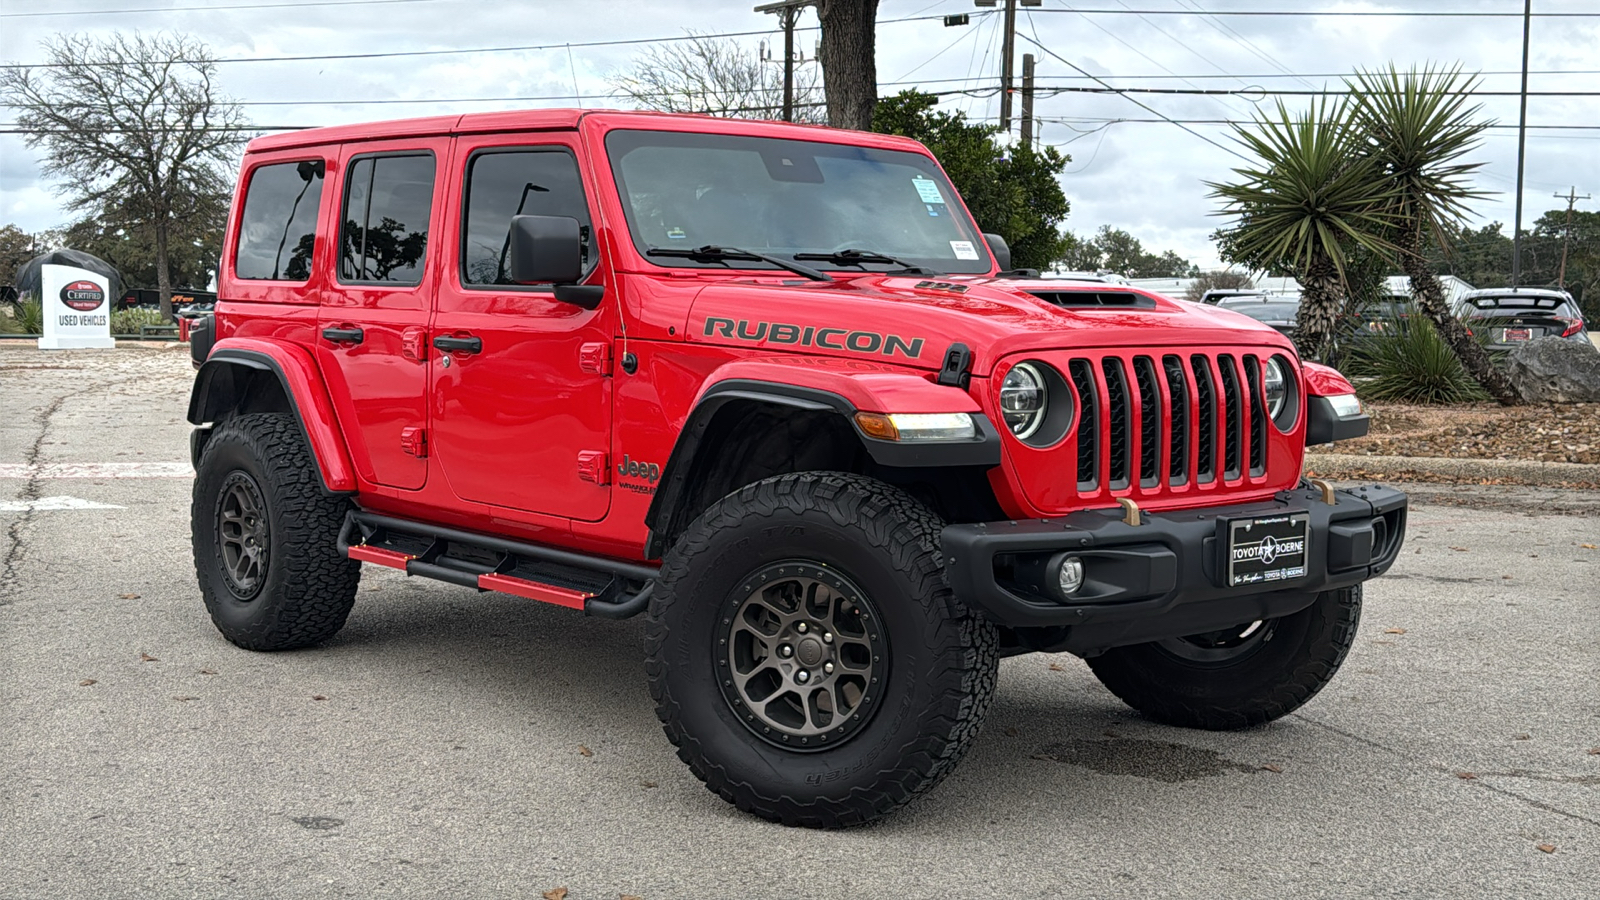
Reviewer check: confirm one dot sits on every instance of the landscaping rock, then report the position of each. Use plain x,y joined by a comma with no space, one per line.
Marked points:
1554,370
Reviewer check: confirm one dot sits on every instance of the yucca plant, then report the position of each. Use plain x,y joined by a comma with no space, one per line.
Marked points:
1410,363
1418,125
1312,201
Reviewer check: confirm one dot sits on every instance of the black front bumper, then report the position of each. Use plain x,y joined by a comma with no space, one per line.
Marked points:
1165,576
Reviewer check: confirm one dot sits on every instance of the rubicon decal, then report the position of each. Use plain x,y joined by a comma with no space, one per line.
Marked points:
83,296
812,336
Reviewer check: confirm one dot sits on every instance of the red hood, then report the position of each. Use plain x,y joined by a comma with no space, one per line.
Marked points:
909,320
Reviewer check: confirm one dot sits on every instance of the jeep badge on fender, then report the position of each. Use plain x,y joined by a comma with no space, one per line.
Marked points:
879,458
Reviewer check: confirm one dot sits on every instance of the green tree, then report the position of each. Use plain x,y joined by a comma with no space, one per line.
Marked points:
134,123
16,247
1011,191
1115,250
116,235
1308,206
1417,127
1222,279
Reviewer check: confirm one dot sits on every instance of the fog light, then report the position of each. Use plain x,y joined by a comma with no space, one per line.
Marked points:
1069,576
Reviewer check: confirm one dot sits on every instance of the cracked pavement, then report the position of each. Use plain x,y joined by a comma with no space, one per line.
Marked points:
433,747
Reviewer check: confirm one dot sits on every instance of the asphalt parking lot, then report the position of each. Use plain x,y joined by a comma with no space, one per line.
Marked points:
462,745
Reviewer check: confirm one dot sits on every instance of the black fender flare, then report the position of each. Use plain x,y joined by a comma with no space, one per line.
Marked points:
983,452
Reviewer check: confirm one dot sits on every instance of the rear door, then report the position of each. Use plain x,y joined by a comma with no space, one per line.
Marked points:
523,420
372,330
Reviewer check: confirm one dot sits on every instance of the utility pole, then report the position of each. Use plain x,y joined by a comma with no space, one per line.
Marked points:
1027,100
1572,197
1522,143
1008,50
788,13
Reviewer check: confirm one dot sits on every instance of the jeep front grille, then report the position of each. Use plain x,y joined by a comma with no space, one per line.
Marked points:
1167,419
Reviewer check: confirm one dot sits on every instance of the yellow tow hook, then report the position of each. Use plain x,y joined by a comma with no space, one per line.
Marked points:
1327,491
1130,511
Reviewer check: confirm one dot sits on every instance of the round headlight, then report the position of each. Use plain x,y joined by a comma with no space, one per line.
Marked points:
1022,400
1275,385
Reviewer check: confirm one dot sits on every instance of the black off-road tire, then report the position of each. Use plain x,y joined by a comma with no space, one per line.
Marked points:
305,589
942,658
1299,656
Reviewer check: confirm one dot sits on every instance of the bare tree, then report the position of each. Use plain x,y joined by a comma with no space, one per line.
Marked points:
131,122
849,64
716,76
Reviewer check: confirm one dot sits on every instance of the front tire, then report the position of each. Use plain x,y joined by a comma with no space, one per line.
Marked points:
806,655
265,537
1237,677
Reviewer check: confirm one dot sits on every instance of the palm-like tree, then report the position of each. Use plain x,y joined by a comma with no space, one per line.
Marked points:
1419,124
1310,203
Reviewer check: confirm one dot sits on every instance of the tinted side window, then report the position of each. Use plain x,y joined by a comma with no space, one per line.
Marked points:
387,200
278,225
503,184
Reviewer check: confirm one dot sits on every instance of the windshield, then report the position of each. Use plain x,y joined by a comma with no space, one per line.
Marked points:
777,197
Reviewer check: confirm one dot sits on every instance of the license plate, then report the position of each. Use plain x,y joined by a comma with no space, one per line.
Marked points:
1268,548
1515,334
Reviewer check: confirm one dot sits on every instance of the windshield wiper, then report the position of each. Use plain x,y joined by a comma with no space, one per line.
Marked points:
713,253
853,257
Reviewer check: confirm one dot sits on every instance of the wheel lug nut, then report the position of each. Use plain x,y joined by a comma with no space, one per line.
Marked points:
827,637
827,667
802,628
785,651
802,676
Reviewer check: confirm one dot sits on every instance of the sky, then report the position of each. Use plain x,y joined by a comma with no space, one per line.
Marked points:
1129,169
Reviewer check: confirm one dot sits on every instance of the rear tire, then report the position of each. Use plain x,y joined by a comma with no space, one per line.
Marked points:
844,573
1236,678
265,537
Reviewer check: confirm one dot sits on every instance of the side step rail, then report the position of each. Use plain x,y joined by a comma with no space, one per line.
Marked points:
600,586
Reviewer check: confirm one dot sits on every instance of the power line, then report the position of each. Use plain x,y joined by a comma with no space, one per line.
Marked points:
392,54
167,9
1340,13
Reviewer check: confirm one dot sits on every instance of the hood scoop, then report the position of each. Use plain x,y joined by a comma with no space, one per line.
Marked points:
1096,299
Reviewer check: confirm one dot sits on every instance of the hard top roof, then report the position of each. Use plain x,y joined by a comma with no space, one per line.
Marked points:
565,119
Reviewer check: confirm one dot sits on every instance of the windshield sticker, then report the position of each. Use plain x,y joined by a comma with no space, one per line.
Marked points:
812,336
675,233
932,212
928,190
963,250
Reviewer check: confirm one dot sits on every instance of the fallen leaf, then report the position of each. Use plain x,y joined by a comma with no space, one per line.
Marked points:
1390,643
145,657
1587,546
1506,577
318,697
1459,549
1522,737
207,671
559,893
127,596
585,751
1057,667
1547,848
1394,631
630,897
185,699
1594,751
1011,731
1044,756
647,784
86,682
1467,776
1272,768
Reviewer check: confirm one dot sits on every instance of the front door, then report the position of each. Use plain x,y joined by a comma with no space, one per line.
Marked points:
521,391
372,326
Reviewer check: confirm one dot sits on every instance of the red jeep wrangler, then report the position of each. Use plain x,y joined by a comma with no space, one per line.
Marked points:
769,385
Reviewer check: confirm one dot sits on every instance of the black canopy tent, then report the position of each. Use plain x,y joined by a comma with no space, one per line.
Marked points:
29,273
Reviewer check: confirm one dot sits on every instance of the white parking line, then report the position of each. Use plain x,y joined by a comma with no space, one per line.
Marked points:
98,470
53,503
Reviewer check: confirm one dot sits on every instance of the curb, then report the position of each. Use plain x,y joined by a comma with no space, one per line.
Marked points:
1519,471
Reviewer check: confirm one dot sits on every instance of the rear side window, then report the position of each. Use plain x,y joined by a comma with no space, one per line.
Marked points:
278,226
387,201
506,183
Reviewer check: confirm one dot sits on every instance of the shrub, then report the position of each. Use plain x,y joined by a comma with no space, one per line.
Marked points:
29,318
1410,363
127,321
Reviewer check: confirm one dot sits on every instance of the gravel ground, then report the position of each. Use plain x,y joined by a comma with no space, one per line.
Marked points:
451,744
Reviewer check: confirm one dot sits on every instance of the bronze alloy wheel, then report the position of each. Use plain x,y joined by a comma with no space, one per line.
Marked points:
800,654
243,536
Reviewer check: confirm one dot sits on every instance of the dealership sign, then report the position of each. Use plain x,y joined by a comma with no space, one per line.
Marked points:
77,311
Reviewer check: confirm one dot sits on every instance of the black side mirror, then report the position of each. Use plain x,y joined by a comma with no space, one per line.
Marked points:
549,250
1001,250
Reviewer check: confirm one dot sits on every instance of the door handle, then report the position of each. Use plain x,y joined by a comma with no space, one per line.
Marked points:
458,344
343,335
